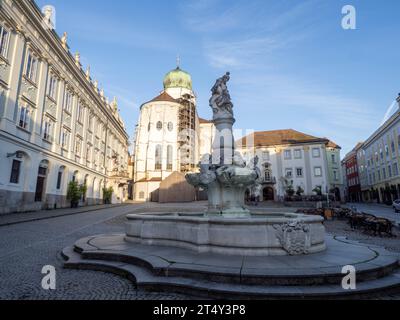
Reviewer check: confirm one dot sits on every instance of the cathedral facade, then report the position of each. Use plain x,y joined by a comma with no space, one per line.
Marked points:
170,136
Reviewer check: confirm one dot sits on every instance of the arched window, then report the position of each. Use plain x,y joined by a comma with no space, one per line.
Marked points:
158,157
159,125
60,176
170,126
169,157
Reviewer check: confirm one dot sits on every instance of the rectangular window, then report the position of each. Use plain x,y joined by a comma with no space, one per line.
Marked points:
265,155
288,173
52,88
316,152
31,67
47,130
333,157
68,101
299,172
297,154
384,173
4,39
317,171
90,123
59,179
15,171
80,113
390,171
88,153
65,139
288,155
395,169
78,147
24,117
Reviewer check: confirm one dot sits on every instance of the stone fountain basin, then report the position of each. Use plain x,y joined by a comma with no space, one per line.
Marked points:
256,235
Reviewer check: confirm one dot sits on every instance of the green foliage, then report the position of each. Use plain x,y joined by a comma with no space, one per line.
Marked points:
74,193
107,195
318,190
289,190
299,191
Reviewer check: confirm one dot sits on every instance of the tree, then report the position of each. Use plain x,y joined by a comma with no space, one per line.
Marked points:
74,193
318,190
107,195
299,191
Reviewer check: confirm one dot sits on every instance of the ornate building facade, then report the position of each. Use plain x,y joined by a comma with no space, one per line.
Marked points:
289,157
167,137
56,125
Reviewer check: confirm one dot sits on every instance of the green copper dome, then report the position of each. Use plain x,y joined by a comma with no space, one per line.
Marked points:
178,78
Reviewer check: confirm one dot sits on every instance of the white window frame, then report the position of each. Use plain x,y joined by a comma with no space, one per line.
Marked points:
26,117
48,129
4,41
52,87
287,154
287,170
266,155
64,139
315,172
31,66
78,146
319,152
297,151
80,112
68,100
302,172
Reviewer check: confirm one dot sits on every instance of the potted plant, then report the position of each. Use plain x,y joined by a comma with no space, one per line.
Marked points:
318,190
107,195
74,194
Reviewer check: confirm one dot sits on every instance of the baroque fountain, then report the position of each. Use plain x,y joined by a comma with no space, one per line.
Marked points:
230,251
228,227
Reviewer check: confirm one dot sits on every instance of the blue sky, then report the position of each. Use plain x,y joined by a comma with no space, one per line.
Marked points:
292,64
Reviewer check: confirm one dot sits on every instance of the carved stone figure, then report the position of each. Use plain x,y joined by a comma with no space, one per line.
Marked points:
253,164
49,16
220,101
64,40
78,59
238,160
294,237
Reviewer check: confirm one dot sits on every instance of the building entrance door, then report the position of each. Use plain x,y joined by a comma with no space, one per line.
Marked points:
268,194
40,184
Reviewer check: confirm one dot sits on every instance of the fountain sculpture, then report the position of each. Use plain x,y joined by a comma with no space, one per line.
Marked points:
228,227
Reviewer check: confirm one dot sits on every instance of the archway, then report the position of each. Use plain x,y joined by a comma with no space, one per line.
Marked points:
268,194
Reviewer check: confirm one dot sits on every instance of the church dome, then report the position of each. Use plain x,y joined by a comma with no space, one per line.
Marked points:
178,78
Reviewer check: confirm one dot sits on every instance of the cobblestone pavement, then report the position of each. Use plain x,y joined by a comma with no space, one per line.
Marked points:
25,248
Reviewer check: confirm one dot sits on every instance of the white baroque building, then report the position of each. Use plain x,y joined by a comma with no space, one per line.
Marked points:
56,125
167,137
288,157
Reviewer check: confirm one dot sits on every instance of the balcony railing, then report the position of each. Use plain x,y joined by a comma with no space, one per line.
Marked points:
269,180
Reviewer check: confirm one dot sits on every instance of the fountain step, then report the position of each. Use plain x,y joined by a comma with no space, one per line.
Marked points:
144,279
157,268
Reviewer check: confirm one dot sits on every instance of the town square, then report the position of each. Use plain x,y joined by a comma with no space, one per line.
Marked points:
244,150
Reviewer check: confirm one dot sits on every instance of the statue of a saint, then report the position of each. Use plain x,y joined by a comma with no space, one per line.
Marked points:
64,40
220,101
49,16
